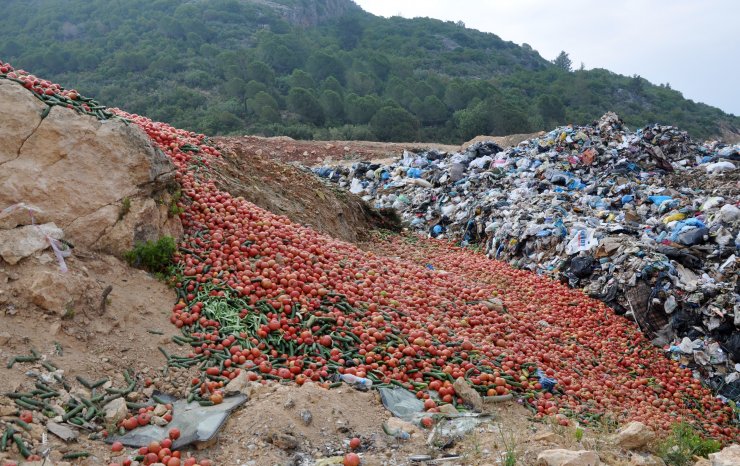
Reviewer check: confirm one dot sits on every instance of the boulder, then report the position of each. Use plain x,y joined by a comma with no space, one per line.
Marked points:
58,292
468,394
634,435
21,214
84,173
22,242
729,456
115,411
20,113
561,457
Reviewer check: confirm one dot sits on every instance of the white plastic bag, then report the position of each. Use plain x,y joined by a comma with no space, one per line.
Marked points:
582,240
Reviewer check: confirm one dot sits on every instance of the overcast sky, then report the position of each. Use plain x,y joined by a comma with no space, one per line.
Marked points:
693,45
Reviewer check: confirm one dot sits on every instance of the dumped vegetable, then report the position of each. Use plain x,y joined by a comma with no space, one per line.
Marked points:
261,294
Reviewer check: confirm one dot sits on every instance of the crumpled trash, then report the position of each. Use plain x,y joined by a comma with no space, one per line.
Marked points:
448,431
658,212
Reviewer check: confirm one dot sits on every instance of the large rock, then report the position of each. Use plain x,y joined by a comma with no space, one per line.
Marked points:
87,175
561,457
21,214
115,411
20,116
468,394
25,241
58,292
634,435
729,456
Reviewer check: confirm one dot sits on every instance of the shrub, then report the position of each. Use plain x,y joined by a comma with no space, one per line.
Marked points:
154,256
683,443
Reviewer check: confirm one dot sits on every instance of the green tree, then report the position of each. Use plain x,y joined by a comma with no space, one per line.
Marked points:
261,72
333,105
432,110
359,110
264,107
300,78
395,124
304,104
322,65
551,109
563,62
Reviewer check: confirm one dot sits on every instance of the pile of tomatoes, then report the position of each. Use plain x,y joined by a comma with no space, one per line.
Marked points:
263,295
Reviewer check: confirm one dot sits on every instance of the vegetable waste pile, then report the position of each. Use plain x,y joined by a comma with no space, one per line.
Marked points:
265,296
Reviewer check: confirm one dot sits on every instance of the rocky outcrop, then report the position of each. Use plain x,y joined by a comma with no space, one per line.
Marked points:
102,182
729,456
634,435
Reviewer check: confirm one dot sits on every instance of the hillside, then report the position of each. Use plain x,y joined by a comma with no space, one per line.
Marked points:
474,361
322,69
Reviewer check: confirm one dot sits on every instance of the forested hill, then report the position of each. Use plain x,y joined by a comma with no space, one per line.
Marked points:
321,69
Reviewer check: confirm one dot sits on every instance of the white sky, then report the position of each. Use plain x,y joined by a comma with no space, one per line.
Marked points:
692,44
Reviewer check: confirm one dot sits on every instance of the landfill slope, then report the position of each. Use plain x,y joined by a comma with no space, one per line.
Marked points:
278,187
647,221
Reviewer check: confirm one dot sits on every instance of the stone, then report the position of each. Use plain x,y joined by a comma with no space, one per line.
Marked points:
561,457
546,436
306,417
22,242
56,291
394,425
20,120
63,432
468,394
115,411
21,214
282,440
238,384
159,410
634,435
79,170
4,338
729,456
8,410
448,409
645,459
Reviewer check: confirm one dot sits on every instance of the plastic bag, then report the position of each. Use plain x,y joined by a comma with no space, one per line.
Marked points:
582,240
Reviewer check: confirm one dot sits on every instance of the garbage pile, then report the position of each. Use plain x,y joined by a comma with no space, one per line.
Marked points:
647,221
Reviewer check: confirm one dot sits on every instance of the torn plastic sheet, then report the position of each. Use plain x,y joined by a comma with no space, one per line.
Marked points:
196,423
402,403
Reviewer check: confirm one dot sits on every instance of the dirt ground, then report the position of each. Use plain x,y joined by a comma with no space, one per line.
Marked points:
291,191
312,153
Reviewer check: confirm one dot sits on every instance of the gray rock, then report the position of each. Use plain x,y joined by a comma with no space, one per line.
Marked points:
63,432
